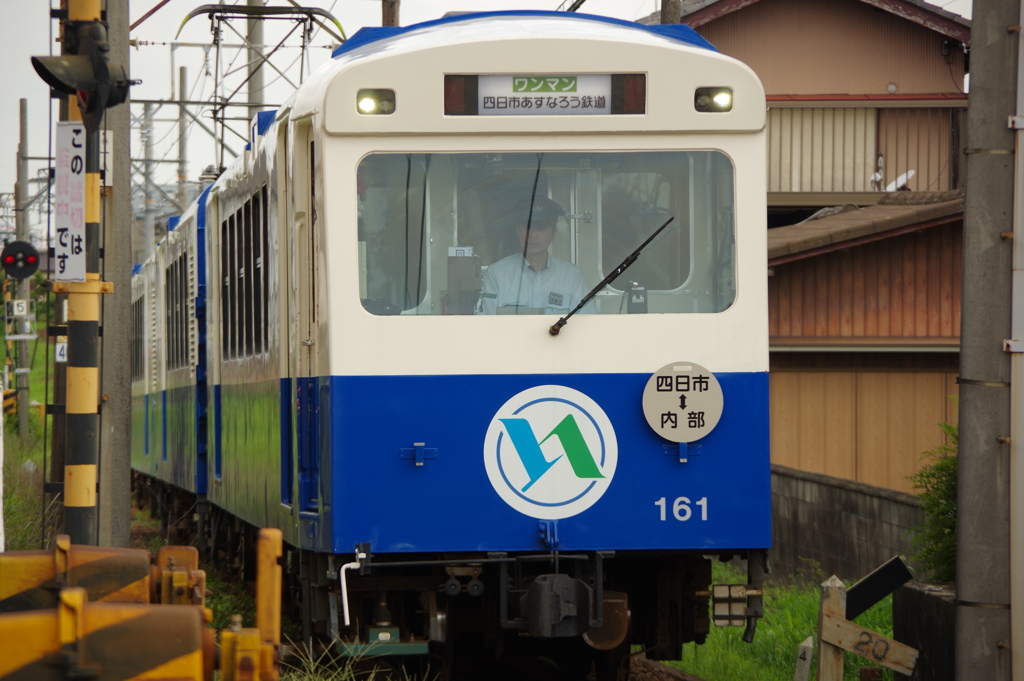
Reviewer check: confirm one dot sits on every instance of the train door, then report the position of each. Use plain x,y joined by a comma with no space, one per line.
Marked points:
281,254
217,240
305,295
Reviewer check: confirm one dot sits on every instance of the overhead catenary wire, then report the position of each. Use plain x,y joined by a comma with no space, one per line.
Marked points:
217,99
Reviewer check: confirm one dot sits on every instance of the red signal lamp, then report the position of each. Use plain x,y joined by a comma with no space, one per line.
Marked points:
19,259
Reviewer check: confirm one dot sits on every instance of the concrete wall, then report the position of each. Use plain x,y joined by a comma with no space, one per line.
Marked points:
848,528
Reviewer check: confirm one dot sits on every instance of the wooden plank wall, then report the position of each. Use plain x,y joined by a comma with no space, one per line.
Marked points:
871,426
903,287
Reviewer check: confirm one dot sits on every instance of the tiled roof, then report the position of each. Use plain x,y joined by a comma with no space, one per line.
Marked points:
897,212
913,10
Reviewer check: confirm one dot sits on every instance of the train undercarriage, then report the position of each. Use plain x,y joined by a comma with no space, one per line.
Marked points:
436,613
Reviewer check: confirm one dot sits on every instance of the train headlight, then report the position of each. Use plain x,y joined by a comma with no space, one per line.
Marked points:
375,101
713,99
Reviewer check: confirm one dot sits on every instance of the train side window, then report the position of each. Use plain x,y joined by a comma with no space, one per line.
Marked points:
225,288
265,259
169,316
136,338
240,311
233,291
247,279
257,275
175,298
184,356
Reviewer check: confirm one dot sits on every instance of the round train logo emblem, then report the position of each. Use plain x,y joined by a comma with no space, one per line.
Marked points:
550,452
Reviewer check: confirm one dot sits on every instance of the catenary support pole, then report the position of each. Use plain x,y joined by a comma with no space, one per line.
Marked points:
182,138
149,223
255,59
115,371
22,232
983,500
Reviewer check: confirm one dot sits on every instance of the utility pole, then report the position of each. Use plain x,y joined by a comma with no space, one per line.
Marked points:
21,326
255,40
115,372
670,11
983,605
389,13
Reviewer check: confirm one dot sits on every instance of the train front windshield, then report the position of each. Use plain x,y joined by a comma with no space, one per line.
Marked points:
449,234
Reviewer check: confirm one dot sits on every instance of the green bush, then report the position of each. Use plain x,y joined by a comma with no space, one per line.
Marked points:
934,542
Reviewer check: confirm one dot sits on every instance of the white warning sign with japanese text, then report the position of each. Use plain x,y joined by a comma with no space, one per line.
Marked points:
69,199
683,402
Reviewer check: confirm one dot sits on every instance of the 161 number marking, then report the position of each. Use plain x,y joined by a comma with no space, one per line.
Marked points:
681,508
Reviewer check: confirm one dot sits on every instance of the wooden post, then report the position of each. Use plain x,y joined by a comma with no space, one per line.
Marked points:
803,660
836,634
833,602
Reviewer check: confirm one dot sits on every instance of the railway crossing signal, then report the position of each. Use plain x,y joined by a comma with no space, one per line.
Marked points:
20,259
84,70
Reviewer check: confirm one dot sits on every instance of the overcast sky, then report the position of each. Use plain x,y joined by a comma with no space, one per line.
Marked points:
28,34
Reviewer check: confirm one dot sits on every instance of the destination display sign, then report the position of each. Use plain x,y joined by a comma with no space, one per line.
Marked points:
544,95
558,94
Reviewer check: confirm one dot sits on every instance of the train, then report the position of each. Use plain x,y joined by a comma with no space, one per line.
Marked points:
478,320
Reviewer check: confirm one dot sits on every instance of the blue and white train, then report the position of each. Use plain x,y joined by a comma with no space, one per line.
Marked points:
312,349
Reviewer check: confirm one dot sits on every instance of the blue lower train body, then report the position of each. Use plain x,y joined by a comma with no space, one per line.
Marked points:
334,460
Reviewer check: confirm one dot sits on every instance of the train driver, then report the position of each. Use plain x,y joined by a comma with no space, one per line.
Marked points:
532,281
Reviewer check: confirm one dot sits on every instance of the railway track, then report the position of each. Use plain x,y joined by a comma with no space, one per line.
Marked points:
640,669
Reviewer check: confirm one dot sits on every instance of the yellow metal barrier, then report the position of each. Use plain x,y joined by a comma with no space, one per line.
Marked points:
74,638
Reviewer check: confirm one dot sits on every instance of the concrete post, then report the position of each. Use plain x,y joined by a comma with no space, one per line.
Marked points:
149,224
115,370
983,503
182,138
670,11
255,36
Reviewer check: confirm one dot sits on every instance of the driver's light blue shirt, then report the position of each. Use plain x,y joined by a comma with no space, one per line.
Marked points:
556,289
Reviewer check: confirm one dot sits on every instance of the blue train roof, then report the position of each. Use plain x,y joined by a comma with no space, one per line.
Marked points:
364,36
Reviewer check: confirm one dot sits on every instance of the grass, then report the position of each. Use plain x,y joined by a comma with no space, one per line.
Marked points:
790,616
24,525
329,666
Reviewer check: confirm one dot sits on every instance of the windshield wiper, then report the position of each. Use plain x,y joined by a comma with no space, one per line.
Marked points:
623,266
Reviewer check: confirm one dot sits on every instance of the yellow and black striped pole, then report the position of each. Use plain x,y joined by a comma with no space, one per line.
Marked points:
81,410
86,75
82,400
